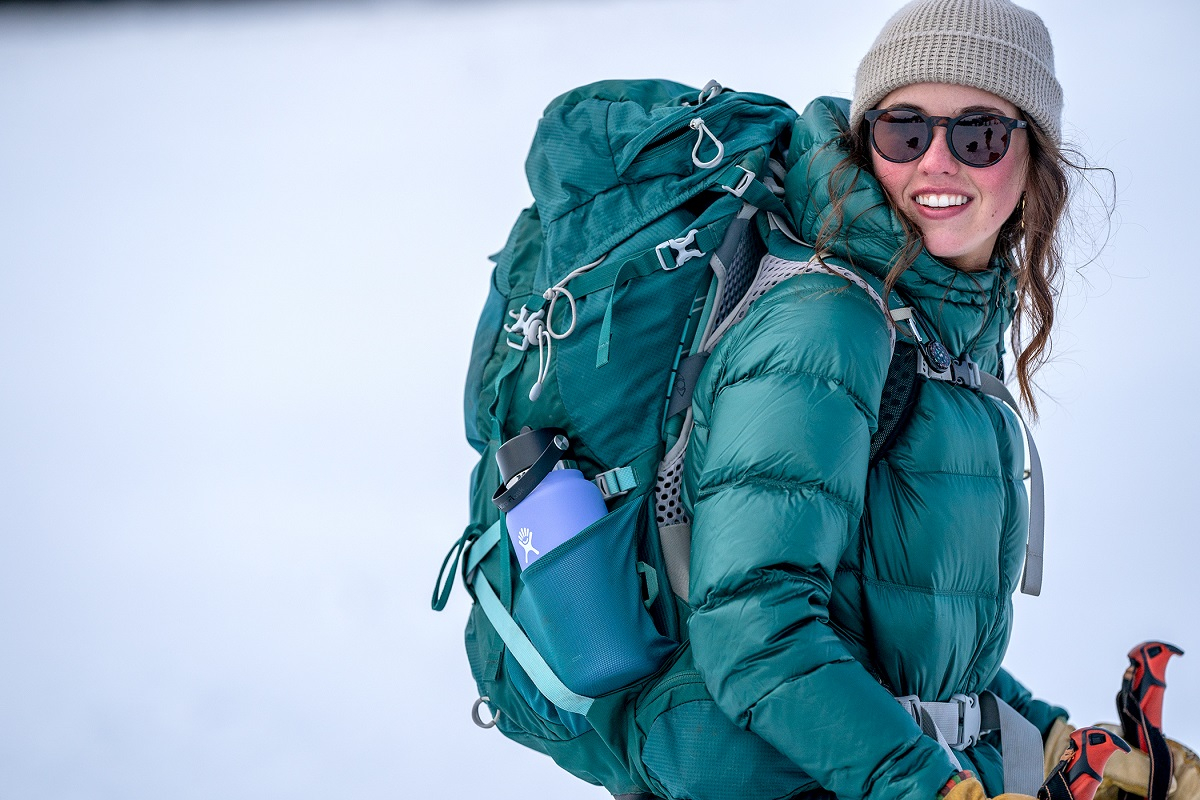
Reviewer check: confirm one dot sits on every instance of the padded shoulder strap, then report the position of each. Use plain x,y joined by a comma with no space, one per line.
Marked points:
899,397
899,392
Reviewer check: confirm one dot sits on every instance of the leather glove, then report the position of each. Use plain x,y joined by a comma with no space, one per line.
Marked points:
1130,771
969,788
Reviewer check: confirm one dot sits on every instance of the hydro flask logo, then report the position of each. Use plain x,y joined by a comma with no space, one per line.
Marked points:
525,539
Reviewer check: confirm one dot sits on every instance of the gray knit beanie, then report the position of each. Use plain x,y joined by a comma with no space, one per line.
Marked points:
992,45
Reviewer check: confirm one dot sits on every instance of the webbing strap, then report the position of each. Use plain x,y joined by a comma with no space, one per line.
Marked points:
676,543
480,548
445,580
742,183
959,720
929,726
668,256
498,409
958,723
614,273
514,638
616,482
1024,760
1031,576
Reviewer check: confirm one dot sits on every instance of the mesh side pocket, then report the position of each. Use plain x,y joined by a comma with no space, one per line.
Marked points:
582,607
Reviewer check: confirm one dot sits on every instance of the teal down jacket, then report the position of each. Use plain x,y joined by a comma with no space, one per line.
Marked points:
821,588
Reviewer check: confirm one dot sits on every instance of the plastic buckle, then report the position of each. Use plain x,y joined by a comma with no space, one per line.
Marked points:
912,704
527,326
969,720
927,371
616,482
965,372
961,372
683,250
743,183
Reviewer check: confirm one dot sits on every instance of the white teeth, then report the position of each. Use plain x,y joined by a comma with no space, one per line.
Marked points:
941,200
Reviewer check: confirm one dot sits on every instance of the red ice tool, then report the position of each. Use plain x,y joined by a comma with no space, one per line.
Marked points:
1146,680
1139,703
1078,773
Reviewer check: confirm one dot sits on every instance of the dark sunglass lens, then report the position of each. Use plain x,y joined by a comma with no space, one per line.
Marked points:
980,139
901,135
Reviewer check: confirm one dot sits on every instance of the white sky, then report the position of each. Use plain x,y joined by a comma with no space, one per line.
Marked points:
242,252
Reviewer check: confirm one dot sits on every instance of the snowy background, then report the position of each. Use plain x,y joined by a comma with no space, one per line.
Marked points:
242,252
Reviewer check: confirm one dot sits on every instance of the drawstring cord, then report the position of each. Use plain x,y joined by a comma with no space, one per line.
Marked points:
546,335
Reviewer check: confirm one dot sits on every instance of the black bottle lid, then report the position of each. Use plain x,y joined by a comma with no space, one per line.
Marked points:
520,452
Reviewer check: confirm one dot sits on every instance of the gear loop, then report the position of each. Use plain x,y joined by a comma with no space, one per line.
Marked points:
491,723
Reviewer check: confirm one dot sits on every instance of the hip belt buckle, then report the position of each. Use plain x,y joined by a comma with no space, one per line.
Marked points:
969,720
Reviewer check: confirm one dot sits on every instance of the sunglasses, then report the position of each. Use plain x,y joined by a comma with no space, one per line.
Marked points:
977,139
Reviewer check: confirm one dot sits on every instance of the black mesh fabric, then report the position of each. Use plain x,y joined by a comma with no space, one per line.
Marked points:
900,392
739,273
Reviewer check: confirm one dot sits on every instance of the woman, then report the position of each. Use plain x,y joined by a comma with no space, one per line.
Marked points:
824,587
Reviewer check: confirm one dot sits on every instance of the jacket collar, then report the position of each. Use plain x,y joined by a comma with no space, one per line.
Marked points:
966,309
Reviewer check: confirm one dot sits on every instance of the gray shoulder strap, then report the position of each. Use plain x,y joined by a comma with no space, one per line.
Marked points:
965,372
1031,578
676,537
676,542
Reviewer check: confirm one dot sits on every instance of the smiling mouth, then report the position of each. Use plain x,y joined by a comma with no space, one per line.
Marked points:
941,200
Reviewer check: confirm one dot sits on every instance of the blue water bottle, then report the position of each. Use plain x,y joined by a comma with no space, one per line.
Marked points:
581,608
545,500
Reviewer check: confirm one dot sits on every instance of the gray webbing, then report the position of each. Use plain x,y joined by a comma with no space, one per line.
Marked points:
923,716
677,538
676,541
1024,761
958,723
1031,576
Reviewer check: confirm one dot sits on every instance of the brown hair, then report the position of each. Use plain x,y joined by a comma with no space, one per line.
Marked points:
1029,243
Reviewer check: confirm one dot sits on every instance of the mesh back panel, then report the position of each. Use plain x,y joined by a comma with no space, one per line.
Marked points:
667,504
740,271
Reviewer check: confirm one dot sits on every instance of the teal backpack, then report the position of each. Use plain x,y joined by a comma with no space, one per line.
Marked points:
653,205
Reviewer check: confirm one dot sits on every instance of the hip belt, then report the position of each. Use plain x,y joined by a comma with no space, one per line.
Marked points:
958,723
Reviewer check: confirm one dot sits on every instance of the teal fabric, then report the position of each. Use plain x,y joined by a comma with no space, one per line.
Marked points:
696,752
612,175
821,588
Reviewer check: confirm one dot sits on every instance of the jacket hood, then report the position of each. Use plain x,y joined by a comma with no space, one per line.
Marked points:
967,309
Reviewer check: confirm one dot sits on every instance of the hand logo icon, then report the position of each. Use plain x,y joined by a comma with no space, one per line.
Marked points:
525,539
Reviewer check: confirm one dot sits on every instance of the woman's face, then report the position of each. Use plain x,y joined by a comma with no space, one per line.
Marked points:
961,235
